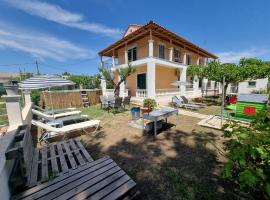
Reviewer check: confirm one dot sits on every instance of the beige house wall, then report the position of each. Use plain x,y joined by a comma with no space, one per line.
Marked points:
165,76
131,83
142,49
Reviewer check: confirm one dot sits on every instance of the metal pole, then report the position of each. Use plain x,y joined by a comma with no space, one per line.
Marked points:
222,101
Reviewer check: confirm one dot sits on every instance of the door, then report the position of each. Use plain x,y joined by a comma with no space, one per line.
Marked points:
141,81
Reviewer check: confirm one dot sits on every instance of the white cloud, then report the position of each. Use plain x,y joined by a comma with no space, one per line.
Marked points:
235,56
41,45
59,15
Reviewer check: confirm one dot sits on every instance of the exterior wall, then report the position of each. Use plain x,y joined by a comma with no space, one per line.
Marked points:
243,87
131,83
165,76
142,49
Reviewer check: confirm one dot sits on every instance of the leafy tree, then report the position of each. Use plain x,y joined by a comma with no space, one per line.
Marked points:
87,82
197,70
217,71
248,162
123,73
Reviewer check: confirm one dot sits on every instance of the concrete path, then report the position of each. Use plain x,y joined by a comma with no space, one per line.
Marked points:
192,114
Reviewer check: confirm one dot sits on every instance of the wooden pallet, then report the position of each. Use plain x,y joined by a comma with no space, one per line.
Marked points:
100,179
57,158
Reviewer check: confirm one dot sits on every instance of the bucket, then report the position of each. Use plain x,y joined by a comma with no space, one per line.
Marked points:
135,113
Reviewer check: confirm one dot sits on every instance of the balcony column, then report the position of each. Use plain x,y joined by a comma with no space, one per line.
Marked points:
196,80
182,78
122,88
171,54
126,54
185,57
14,110
151,80
150,48
103,86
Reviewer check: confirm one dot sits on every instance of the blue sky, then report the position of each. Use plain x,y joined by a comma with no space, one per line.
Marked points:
65,35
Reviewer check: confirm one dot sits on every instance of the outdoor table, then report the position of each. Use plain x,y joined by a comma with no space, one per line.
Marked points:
156,115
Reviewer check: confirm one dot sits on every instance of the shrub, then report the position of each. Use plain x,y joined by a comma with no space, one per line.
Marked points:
248,162
35,96
2,91
149,103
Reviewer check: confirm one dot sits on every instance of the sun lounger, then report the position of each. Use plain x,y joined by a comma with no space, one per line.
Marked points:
54,116
68,128
186,101
177,103
54,111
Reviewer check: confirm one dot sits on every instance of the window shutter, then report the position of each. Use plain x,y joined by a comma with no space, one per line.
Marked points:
134,53
129,55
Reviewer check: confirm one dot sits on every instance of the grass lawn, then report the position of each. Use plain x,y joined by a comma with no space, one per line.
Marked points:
183,162
3,116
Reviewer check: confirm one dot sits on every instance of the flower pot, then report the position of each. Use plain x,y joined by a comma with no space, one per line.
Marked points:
11,89
146,110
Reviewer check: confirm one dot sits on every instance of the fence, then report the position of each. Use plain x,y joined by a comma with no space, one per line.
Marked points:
68,98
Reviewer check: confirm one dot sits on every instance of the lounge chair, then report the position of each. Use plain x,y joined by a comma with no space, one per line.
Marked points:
68,128
177,103
186,101
54,116
55,111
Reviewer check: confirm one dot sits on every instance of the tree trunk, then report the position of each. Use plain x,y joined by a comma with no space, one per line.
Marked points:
225,91
117,90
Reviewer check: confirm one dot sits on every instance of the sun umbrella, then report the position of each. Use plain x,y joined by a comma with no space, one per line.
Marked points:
43,82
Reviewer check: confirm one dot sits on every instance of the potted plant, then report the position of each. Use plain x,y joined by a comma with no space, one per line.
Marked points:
148,105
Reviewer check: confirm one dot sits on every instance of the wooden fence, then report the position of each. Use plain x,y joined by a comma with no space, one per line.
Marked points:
68,98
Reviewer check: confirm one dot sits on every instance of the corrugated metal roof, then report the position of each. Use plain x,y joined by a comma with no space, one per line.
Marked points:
256,98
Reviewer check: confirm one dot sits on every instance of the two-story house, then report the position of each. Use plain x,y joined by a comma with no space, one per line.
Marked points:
161,58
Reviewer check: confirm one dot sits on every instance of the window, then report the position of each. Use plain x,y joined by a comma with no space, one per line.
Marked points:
252,84
161,51
201,61
176,54
200,83
188,61
132,54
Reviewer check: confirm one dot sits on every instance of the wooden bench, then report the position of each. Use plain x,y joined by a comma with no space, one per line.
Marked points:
101,179
36,165
64,170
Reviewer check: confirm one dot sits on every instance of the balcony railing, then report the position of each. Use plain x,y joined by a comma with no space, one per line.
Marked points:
110,92
141,93
167,92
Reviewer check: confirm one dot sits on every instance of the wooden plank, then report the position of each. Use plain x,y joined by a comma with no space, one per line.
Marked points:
110,188
85,153
70,156
93,189
77,152
71,187
45,188
121,191
55,169
62,158
44,164
34,170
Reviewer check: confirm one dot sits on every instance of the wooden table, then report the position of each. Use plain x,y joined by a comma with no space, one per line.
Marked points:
159,114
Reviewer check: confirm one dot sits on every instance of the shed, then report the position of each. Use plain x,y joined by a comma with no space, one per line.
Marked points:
250,104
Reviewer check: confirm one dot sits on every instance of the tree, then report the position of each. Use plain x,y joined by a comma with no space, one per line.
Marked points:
197,70
230,72
123,73
87,82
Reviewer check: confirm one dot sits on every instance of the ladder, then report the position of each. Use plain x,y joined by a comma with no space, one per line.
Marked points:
84,98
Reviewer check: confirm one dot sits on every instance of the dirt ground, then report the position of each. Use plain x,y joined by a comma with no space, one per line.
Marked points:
183,162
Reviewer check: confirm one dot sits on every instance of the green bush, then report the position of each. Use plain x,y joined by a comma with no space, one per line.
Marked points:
35,96
248,162
2,91
149,103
